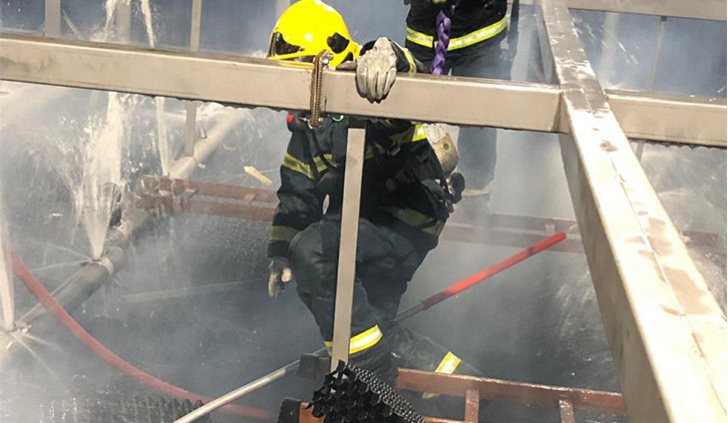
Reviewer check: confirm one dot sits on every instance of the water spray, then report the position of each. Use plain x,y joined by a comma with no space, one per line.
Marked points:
45,298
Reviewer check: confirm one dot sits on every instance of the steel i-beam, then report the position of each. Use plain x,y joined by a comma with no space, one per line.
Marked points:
665,328
52,26
262,83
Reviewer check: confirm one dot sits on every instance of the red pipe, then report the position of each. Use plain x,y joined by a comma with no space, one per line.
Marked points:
497,268
45,298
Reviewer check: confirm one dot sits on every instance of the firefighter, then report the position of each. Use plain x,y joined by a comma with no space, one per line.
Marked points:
406,199
475,50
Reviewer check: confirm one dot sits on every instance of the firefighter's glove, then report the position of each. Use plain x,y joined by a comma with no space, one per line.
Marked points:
376,71
279,275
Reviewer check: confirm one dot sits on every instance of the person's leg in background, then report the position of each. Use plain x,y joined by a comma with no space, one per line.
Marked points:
385,280
477,146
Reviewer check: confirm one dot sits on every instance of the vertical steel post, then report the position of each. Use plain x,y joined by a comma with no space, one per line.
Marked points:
472,406
566,411
606,64
52,27
656,61
123,21
346,274
191,118
666,329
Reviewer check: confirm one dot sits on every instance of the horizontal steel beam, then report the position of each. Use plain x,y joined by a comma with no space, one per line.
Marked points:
666,330
682,120
262,83
256,82
695,9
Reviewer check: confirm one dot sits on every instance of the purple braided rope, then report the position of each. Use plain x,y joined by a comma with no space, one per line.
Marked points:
444,23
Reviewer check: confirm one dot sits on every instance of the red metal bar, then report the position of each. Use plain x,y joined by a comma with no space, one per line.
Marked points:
458,233
458,230
211,208
480,276
472,406
45,298
493,270
566,410
525,393
497,220
210,189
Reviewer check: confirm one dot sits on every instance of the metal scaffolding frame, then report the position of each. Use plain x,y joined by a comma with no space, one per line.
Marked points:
208,77
666,330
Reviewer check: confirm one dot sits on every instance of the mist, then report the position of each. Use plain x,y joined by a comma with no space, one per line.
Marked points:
190,305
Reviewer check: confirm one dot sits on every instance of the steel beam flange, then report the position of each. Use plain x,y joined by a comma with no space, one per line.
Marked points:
679,119
693,9
264,83
665,328
257,82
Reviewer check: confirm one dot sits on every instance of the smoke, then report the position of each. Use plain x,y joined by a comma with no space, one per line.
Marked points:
190,306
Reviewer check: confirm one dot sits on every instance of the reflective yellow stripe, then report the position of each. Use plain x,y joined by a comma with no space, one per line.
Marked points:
412,134
361,342
415,218
436,229
448,365
296,165
282,233
475,192
401,138
419,134
410,60
389,123
467,40
320,165
419,38
478,36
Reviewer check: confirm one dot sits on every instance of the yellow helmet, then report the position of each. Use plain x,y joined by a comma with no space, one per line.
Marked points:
309,27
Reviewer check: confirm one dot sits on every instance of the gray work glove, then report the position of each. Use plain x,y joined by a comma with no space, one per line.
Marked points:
279,275
376,71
